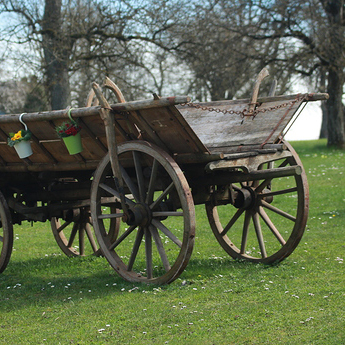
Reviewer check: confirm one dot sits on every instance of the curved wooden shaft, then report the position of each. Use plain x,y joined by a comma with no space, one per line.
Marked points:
109,84
262,75
113,87
109,123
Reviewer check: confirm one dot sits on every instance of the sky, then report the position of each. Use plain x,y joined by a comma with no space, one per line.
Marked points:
308,124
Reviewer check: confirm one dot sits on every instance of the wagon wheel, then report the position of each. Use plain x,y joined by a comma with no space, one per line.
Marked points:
74,233
6,233
269,220
156,239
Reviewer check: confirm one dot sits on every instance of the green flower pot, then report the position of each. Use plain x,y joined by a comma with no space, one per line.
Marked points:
73,144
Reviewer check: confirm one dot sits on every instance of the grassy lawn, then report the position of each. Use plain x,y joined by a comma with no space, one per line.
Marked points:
48,298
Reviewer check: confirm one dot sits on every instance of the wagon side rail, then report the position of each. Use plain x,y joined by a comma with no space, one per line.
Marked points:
155,119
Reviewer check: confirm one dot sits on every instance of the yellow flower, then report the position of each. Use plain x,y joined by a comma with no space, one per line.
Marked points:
18,135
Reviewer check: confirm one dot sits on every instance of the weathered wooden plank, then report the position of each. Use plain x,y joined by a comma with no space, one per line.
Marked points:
38,167
168,129
246,148
197,158
248,164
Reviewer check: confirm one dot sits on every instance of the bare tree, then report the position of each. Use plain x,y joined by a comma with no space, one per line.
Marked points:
316,31
76,34
225,43
208,38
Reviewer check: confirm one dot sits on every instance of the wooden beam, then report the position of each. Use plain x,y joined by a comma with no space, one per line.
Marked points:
92,111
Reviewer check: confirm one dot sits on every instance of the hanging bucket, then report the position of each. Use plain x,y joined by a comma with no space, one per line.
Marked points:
23,149
73,144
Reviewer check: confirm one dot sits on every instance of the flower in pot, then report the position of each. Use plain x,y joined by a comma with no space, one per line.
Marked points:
69,131
20,141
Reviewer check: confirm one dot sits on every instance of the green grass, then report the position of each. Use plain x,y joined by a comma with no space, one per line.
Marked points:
47,298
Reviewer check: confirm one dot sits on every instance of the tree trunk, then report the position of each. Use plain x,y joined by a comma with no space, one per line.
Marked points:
336,76
56,49
334,105
323,88
324,124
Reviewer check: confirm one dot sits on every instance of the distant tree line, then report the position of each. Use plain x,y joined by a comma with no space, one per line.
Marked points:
209,50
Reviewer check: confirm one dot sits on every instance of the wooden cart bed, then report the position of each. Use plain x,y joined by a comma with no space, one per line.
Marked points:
182,131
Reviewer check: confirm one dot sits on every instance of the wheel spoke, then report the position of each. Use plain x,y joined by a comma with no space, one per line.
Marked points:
63,226
131,186
73,234
160,248
116,193
167,214
278,192
255,183
245,232
162,196
284,163
259,236
148,252
166,231
271,226
232,221
82,239
122,237
135,248
139,174
151,187
90,237
263,185
277,210
110,216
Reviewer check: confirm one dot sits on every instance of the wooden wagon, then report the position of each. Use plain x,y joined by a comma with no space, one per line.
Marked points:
130,195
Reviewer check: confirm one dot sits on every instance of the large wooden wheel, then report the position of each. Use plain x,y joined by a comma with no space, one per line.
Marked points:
157,230
269,216
6,233
74,232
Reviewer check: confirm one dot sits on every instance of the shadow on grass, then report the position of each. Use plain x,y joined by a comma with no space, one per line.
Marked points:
225,265
58,279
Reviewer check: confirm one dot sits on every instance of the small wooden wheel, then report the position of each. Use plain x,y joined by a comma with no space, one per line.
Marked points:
157,231
6,233
74,233
269,219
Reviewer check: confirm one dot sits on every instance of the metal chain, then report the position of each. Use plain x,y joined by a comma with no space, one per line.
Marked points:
243,113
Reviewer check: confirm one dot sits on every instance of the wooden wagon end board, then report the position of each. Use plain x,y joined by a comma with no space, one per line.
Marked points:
219,131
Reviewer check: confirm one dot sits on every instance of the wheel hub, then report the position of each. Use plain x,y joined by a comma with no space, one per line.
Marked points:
140,214
245,198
